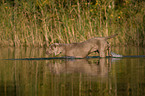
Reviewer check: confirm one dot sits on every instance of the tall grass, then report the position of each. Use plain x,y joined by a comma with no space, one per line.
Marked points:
42,22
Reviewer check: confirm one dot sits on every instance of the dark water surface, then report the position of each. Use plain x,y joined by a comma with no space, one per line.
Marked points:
71,77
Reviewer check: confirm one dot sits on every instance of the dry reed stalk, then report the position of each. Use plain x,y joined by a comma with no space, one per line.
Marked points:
68,23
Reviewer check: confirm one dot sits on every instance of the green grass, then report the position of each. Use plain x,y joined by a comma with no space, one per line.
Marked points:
34,23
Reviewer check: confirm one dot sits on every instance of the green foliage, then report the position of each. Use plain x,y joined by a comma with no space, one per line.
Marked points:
42,22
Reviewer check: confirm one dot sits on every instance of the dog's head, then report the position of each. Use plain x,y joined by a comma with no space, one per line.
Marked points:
54,48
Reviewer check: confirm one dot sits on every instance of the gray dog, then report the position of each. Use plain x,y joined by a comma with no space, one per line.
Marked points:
82,49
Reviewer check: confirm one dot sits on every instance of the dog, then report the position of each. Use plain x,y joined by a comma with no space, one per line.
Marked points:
82,49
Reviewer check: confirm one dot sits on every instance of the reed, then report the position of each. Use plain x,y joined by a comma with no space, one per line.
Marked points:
40,23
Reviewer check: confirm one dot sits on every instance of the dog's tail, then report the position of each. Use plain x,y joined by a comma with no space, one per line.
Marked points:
109,37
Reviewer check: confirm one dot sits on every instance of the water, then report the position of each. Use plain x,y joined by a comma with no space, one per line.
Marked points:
72,77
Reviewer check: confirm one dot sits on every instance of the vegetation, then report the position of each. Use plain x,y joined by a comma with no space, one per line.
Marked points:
42,22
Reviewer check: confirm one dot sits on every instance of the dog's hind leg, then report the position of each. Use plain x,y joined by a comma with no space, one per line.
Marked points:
108,49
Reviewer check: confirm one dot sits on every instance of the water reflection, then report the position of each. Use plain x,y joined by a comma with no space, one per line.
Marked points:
73,77
89,67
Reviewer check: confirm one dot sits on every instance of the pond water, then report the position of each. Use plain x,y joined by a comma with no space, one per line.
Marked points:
71,77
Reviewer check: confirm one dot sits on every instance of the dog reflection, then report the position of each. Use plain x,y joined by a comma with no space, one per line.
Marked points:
93,67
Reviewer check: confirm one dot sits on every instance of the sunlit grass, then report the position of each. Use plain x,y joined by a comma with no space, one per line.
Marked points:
26,24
